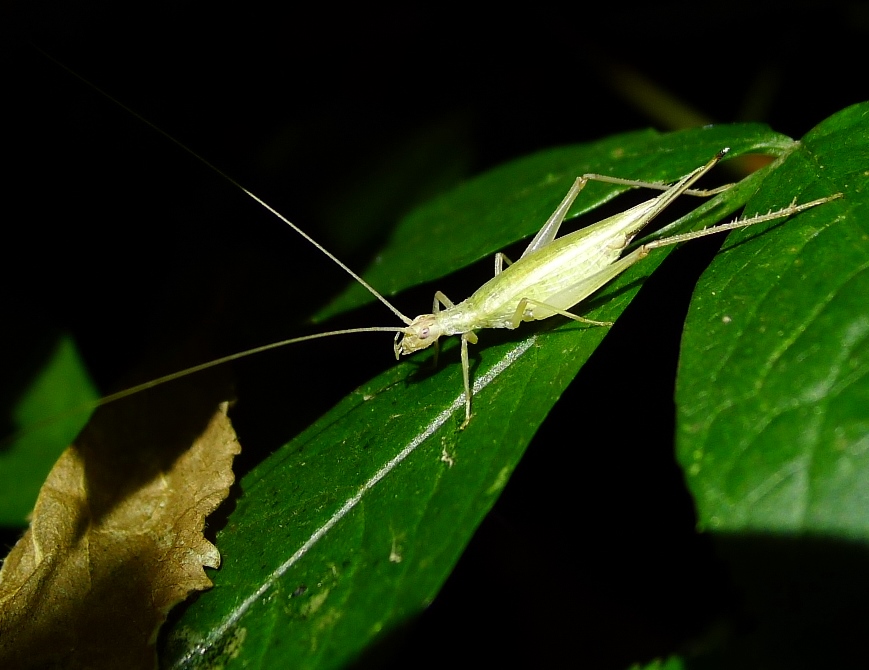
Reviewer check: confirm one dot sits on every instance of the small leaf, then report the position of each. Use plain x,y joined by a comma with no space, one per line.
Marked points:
116,537
772,395
60,386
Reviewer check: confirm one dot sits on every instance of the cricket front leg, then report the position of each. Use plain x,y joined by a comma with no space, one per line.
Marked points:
439,299
466,375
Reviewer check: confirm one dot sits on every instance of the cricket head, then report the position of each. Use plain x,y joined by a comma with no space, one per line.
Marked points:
422,332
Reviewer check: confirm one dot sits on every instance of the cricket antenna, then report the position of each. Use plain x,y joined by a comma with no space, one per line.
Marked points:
235,183
159,381
232,357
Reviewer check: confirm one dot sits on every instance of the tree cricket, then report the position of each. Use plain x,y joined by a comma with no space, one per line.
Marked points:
553,275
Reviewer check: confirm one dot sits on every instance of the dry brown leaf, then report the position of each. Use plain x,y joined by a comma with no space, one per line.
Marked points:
116,537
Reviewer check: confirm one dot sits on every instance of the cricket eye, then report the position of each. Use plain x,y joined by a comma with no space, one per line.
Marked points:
423,334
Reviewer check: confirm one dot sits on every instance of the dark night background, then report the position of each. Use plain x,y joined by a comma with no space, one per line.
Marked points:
115,234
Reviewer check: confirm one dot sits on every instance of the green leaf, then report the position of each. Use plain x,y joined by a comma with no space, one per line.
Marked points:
773,433
348,532
59,389
772,397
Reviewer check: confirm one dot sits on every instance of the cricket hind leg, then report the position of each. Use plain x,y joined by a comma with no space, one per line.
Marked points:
560,302
636,183
782,213
550,229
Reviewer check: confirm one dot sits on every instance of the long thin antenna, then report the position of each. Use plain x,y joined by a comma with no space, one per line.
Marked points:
232,357
232,181
105,400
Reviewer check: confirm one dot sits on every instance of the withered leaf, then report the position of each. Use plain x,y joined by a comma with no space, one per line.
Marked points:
116,536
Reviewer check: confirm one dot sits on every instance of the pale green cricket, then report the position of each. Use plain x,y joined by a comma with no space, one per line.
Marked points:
552,275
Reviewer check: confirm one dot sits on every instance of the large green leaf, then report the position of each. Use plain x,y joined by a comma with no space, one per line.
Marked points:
773,434
348,531
772,395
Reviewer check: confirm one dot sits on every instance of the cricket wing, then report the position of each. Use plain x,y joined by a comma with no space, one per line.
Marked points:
576,293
